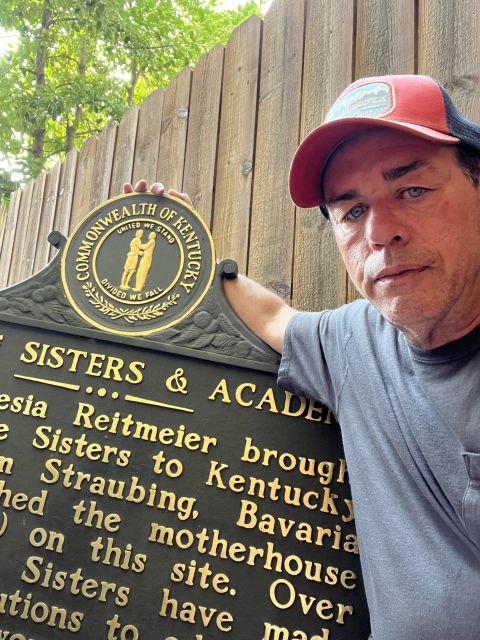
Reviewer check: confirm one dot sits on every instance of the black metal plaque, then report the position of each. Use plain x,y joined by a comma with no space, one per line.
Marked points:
165,492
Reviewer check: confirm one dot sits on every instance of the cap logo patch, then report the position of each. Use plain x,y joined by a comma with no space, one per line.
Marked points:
372,100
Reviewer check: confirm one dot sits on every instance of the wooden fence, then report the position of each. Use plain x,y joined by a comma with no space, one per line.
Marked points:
225,133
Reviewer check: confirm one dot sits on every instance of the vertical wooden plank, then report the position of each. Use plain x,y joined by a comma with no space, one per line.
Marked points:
171,156
385,37
148,138
319,278
124,152
47,217
84,178
103,164
385,44
9,236
20,233
65,195
27,257
449,49
199,174
273,213
3,226
3,223
231,219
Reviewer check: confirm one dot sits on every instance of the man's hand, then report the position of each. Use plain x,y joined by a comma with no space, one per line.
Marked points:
157,188
262,311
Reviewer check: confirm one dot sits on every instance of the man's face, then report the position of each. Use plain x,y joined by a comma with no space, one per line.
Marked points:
406,219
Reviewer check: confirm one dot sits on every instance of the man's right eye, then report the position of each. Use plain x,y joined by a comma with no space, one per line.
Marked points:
354,213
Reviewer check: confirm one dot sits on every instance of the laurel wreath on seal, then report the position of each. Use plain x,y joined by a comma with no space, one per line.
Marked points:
147,312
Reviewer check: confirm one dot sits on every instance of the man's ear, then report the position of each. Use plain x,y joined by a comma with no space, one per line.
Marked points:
324,211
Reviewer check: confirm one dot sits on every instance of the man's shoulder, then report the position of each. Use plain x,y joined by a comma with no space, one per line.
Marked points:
335,327
359,314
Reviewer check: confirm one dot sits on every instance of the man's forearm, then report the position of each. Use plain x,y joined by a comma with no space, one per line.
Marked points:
262,311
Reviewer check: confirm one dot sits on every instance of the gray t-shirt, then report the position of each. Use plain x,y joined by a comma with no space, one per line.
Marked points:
410,422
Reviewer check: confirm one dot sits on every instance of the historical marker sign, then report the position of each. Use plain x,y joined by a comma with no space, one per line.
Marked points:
161,487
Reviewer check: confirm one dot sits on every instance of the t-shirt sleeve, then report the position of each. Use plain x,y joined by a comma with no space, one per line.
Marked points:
313,362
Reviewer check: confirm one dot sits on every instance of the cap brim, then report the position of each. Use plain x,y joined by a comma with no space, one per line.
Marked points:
309,160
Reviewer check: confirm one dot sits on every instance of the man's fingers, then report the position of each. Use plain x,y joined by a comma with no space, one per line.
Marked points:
157,188
177,194
141,186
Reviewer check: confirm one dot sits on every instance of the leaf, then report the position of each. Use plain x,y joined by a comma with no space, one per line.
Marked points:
227,326
21,304
201,342
223,342
186,335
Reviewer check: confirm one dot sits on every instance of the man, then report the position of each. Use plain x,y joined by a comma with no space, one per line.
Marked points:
145,262
395,168
131,262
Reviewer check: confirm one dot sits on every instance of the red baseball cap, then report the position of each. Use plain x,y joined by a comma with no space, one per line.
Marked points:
418,105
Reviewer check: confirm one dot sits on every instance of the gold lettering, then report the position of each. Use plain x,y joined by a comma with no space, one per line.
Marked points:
221,389
38,570
283,595
269,399
27,406
274,632
189,612
93,364
6,465
238,394
20,501
286,411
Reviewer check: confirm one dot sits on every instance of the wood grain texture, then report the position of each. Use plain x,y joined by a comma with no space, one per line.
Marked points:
198,134
385,44
3,223
9,235
449,49
122,169
173,139
21,232
199,175
385,41
84,177
31,238
103,164
273,213
236,146
66,187
148,138
320,279
47,218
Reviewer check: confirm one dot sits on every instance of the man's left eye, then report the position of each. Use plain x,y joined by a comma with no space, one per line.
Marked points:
413,192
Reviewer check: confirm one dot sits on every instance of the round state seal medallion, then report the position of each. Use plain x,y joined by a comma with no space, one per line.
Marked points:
138,264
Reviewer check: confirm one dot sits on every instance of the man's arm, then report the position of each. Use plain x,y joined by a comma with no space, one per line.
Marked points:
264,313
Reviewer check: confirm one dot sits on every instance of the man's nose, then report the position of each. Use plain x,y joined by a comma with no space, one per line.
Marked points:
385,225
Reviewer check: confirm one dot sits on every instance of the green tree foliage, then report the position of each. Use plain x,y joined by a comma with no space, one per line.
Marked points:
79,64
7,187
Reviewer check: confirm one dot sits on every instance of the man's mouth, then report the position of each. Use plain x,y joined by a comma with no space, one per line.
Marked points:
398,272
